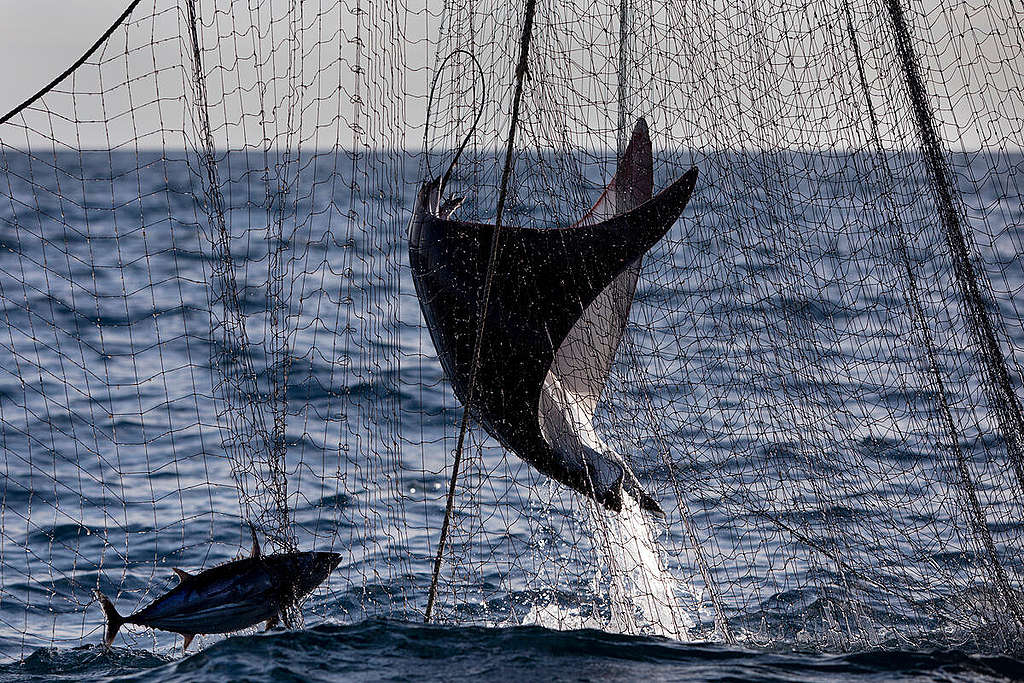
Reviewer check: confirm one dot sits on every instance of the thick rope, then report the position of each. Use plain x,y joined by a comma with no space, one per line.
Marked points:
237,385
524,46
67,72
999,384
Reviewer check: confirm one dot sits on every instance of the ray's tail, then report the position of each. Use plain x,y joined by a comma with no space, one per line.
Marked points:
114,620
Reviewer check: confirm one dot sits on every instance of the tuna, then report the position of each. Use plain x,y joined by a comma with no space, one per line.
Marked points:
231,596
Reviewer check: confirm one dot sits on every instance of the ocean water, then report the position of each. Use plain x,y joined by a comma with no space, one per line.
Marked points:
775,366
390,651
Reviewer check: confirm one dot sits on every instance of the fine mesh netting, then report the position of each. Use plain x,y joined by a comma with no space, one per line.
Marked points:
209,318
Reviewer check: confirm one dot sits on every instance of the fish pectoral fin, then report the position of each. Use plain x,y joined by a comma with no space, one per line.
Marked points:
181,574
188,640
272,622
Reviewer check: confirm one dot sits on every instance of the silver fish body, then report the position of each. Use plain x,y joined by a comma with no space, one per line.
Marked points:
230,597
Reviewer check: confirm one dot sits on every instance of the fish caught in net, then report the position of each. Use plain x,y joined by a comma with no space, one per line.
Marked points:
773,401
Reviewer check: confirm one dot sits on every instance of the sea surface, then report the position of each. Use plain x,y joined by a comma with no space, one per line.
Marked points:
167,379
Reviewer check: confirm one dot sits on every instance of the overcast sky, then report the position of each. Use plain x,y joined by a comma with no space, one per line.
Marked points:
40,38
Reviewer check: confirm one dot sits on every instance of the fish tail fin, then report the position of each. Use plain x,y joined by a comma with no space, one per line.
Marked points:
114,620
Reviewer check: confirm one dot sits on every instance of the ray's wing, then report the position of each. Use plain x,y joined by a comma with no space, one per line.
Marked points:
562,292
583,361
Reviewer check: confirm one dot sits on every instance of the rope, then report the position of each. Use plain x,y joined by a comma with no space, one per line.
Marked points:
472,128
524,46
999,386
81,60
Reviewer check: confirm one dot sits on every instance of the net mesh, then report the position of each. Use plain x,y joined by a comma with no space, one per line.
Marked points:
209,320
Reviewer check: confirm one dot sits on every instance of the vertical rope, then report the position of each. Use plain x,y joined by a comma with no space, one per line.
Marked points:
623,84
971,279
999,385
524,46
246,439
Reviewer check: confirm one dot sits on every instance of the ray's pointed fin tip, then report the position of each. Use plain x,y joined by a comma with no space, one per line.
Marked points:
635,172
677,195
687,183
641,130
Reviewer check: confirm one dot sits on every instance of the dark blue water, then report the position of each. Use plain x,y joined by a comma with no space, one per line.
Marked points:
401,651
770,384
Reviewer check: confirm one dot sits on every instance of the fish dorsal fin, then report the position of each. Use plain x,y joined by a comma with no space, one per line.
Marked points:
255,543
181,574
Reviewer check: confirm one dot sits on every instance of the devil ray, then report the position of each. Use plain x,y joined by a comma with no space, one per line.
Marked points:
558,305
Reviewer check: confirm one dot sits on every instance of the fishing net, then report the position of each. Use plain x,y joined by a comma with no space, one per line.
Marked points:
209,319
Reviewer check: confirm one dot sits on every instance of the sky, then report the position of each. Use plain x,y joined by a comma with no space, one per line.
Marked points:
41,38
44,37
